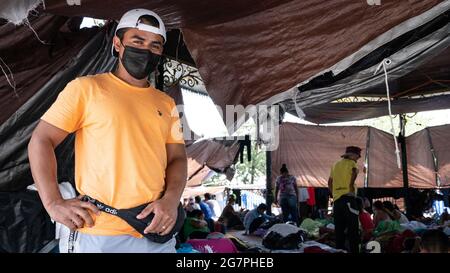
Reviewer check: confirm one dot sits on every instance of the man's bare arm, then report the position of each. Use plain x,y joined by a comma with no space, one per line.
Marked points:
71,213
44,140
176,171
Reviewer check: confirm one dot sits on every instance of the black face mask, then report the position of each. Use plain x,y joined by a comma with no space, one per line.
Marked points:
139,63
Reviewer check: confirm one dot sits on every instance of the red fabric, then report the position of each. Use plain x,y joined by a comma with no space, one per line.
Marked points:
314,249
312,197
222,245
366,221
396,245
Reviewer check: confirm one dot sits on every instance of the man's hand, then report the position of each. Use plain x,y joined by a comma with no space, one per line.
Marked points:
165,211
72,213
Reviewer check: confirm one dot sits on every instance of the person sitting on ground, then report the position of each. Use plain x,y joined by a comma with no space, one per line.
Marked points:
192,205
195,226
255,218
365,219
379,213
213,205
185,203
206,211
230,217
434,241
394,213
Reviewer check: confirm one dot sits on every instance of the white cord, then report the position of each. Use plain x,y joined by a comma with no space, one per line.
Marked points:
28,24
9,79
384,63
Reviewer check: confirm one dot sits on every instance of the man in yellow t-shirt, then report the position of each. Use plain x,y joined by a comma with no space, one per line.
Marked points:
342,186
129,149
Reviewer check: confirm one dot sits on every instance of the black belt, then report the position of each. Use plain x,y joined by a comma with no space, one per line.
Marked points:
129,216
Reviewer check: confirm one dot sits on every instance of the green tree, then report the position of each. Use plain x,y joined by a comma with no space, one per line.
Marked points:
249,172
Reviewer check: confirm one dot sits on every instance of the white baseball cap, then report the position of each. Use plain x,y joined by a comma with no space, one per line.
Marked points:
131,20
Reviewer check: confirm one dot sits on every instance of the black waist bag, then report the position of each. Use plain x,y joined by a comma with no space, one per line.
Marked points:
129,216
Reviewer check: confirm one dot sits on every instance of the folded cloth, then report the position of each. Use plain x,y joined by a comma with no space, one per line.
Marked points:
314,249
221,245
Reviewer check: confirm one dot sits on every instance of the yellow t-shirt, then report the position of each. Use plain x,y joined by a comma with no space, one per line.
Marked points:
341,173
120,153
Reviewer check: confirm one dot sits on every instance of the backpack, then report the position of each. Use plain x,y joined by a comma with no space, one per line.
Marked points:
283,236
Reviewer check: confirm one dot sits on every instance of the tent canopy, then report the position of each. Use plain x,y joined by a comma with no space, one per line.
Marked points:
263,53
246,53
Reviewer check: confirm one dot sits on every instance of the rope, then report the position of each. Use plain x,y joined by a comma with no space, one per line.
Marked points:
28,24
9,79
385,63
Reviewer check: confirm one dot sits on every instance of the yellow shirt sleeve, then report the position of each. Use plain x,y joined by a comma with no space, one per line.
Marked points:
67,112
175,135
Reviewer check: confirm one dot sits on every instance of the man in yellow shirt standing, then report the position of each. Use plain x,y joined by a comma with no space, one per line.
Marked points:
342,186
129,150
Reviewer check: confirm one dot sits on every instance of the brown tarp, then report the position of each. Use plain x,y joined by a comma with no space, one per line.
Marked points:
383,170
198,177
310,151
421,172
248,52
33,64
440,140
209,154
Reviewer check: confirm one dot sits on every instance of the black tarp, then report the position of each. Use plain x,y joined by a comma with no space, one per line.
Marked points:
352,111
16,131
420,65
24,224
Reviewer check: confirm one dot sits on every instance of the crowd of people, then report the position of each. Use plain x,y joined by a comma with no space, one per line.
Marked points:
356,220
353,224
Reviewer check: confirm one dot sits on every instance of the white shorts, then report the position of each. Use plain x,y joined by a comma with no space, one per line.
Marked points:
87,243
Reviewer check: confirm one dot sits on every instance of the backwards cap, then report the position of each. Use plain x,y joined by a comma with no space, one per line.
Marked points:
131,20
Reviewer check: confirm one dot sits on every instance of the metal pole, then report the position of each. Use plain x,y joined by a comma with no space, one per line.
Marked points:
402,140
366,161
435,159
269,194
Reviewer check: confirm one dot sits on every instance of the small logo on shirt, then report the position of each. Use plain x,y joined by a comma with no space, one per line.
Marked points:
159,113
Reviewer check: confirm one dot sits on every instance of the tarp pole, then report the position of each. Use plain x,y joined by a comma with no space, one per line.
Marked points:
269,194
366,160
435,159
402,140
